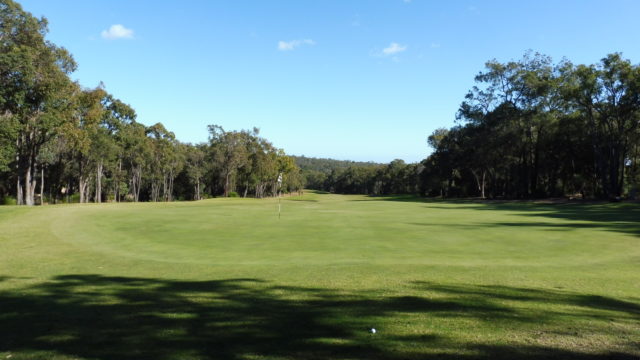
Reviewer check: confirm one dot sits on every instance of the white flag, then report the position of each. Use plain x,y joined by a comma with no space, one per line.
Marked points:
280,179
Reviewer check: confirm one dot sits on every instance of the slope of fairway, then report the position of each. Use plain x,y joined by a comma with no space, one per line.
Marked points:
227,278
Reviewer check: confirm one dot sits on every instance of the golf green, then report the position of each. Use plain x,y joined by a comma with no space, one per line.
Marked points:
228,279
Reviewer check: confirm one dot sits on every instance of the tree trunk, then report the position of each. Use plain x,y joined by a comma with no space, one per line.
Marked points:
19,193
197,190
165,187
484,173
28,183
82,188
98,198
226,184
155,191
171,178
117,181
82,181
42,185
19,190
136,182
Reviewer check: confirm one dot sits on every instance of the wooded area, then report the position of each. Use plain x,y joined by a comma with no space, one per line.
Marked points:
529,129
62,142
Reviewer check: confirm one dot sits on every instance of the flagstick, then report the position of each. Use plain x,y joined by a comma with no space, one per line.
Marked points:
279,187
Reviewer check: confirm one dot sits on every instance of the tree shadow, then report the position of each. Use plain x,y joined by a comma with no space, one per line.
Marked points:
620,217
101,317
493,292
548,226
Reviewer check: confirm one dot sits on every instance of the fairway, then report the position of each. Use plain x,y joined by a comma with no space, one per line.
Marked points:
227,279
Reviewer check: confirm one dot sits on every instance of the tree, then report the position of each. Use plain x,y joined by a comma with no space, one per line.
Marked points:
195,165
229,149
80,133
118,120
607,96
35,91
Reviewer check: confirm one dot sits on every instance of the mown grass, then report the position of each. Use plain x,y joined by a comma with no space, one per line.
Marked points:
227,279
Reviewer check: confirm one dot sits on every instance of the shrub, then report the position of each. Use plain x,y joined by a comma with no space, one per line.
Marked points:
9,200
233,194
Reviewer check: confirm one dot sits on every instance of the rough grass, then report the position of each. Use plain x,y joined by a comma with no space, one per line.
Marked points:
225,279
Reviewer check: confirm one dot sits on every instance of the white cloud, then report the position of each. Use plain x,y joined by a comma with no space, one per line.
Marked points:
394,48
290,45
117,31
435,45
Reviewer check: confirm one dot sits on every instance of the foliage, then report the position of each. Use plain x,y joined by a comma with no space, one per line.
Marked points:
537,129
9,200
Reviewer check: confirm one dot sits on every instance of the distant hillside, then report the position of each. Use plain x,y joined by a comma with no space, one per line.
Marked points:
327,165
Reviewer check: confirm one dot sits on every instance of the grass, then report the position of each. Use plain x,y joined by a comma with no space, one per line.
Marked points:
225,279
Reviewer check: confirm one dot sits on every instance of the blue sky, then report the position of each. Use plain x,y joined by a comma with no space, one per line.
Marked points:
360,80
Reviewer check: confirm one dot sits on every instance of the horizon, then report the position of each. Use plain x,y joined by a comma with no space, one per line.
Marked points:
349,81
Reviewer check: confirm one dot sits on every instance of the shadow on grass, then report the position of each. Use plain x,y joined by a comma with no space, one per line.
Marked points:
99,317
321,192
630,310
619,217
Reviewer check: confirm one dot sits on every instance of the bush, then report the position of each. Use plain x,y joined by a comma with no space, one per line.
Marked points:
233,194
73,199
9,200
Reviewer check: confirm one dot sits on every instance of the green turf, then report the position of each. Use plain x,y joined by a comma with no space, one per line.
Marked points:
227,279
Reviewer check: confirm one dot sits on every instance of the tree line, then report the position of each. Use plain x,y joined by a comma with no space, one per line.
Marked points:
534,128
351,177
531,128
62,142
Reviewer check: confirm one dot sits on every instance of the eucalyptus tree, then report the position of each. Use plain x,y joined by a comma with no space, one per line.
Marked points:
118,119
229,153
264,168
103,154
167,160
195,167
159,149
35,90
607,97
80,134
136,155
